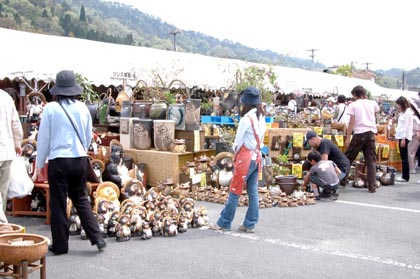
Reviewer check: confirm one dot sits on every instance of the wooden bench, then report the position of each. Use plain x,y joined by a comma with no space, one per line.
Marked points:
22,206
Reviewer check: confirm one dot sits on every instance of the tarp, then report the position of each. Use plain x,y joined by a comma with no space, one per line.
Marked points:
40,56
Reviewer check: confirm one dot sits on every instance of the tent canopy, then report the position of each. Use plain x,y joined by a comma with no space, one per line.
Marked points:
39,56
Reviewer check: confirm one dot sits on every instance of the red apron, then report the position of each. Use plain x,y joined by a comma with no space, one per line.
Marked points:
241,165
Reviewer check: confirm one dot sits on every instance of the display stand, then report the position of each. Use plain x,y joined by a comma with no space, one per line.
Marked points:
22,206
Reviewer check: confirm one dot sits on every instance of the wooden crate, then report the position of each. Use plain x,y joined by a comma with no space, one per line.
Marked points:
194,140
160,164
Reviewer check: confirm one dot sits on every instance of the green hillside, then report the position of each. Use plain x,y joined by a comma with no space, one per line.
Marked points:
121,24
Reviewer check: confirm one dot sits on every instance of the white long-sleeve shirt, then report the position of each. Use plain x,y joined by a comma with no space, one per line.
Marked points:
404,128
11,133
245,134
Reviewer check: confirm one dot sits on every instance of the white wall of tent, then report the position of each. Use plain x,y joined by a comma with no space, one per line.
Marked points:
38,56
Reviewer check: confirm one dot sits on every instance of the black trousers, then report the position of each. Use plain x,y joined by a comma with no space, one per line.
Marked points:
364,142
405,173
67,177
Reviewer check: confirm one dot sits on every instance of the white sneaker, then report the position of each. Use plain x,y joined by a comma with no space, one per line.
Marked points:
413,171
400,179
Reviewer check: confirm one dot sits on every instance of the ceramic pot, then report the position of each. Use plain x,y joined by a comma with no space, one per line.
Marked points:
126,109
164,134
141,109
176,112
158,111
192,114
142,133
93,109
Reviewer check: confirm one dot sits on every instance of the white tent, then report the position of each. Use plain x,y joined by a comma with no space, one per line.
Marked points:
42,56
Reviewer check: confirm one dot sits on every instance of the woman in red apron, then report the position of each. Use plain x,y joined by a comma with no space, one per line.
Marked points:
247,163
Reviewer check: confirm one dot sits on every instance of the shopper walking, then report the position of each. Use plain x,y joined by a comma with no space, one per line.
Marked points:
11,136
362,130
414,143
404,134
65,125
247,163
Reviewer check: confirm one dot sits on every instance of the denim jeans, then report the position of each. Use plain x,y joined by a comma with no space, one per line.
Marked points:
251,218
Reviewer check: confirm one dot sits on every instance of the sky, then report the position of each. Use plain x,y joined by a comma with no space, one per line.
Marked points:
381,33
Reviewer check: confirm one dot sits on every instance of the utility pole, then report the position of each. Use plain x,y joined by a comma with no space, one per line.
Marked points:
403,80
367,65
312,56
174,33
352,65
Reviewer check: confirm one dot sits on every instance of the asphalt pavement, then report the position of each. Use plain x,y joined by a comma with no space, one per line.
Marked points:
361,235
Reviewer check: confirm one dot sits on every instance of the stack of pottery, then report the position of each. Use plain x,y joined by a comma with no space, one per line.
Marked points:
287,183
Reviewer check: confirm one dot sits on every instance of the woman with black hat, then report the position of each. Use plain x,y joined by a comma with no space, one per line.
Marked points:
247,163
64,136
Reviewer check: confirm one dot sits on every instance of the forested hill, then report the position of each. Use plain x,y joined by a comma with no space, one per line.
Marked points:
117,23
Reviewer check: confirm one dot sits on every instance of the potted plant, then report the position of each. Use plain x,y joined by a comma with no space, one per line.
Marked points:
88,96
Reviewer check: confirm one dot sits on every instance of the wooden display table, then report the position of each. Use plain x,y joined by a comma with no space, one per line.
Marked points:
22,206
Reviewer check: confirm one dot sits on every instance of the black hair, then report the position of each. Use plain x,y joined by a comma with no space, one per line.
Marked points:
341,99
359,91
414,109
246,108
314,155
403,102
64,99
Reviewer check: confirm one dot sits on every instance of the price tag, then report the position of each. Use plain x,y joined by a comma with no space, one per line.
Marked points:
203,179
196,179
318,130
298,139
297,170
340,140
327,137
385,151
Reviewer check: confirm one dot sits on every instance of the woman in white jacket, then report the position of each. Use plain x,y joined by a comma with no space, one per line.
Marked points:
414,143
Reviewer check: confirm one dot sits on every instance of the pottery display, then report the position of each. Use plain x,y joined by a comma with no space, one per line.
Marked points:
142,133
164,134
126,108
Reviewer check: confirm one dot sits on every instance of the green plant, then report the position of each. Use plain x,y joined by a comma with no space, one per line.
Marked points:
88,95
283,158
260,77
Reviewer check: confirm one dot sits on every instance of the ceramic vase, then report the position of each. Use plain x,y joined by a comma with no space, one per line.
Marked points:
176,112
141,109
192,114
164,134
158,111
142,133
126,109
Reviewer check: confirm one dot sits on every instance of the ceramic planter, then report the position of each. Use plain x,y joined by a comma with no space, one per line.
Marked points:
164,134
176,112
142,133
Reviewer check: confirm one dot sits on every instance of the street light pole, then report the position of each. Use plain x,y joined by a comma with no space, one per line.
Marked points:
174,33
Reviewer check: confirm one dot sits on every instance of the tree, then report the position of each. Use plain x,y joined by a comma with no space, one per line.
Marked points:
17,18
82,16
44,13
344,70
52,11
66,24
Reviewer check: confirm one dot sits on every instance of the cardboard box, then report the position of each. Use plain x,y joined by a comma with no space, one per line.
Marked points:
194,140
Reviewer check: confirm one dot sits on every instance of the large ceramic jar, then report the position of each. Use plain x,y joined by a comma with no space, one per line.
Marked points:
192,114
141,109
158,111
176,112
142,133
164,134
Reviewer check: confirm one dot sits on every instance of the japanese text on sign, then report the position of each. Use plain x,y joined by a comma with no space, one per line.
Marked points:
123,75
